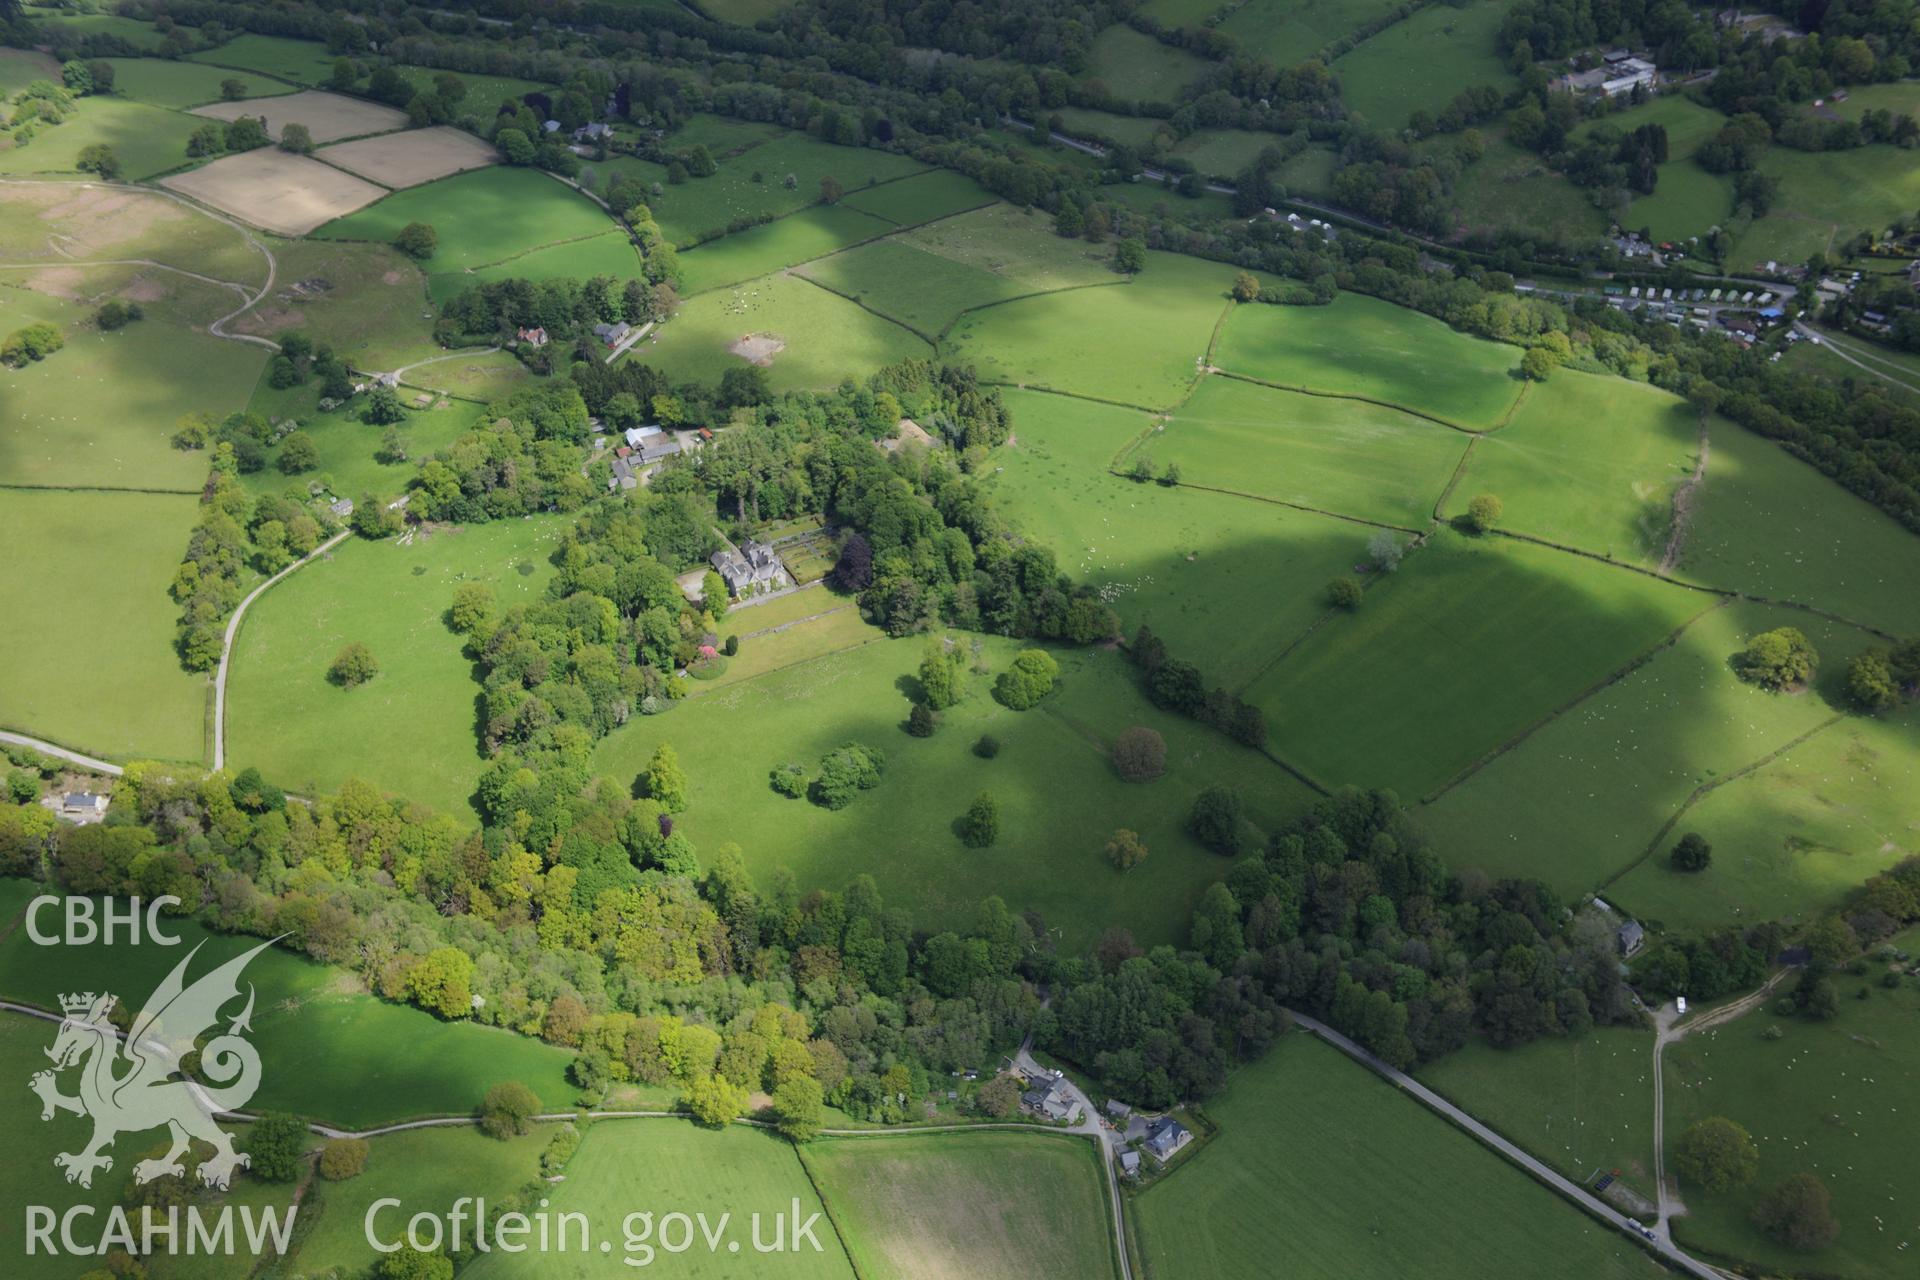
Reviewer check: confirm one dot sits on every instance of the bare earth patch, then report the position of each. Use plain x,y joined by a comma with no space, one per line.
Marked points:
87,221
283,193
413,157
144,289
329,117
758,348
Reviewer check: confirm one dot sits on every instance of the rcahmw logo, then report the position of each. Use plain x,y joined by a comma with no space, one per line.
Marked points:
129,1084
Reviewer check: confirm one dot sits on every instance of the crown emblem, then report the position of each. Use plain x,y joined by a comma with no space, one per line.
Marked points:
78,1004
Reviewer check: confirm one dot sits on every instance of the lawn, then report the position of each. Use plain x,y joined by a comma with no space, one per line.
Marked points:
1797,836
753,184
1138,342
90,663
921,290
787,631
826,337
1059,797
661,1167
178,85
1833,1099
1373,350
428,1170
1137,66
1186,563
99,411
1472,641
1423,61
1825,197
412,728
1019,245
1769,524
327,1051
1583,1105
801,237
301,61
1288,32
146,140
909,202
485,217
1589,461
1322,1164
991,1205
1344,456
1578,802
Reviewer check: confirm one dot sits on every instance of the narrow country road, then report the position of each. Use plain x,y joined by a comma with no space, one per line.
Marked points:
1851,355
1104,1139
233,629
1571,1190
72,757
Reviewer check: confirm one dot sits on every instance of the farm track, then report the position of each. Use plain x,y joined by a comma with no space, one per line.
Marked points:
1683,504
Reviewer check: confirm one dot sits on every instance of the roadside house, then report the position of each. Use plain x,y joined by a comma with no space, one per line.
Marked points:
1048,1097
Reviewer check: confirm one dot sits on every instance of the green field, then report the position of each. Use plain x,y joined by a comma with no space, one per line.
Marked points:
1137,342
992,1206
789,630
801,237
1582,1105
146,140
21,67
301,61
908,202
178,85
63,224
1423,60
1825,197
1139,67
1833,1099
1590,462
90,662
1018,245
372,311
1184,562
921,290
753,184
1687,200
1051,821
1512,187
98,412
485,217
610,253
1796,837
428,1170
1286,32
347,445
1221,153
669,1166
1134,131
1578,802
827,338
1344,456
1769,524
131,30
484,95
1363,347
1468,644
412,728
327,1052
1324,1170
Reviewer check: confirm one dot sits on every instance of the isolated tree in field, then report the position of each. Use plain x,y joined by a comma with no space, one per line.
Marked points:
831,190
1130,255
665,780
1871,685
1692,853
233,88
941,674
1215,819
353,666
844,772
1246,287
986,746
343,1158
508,1110
98,158
1028,680
1142,469
1170,475
1343,593
1779,659
298,454
31,342
1125,850
417,240
474,611
1716,1154
920,721
1483,513
1538,364
1384,551
296,138
275,1145
1139,754
980,825
383,407
799,1108
789,779
1798,1213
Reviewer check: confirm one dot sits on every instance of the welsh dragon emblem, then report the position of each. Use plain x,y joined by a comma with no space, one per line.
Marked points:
134,1082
